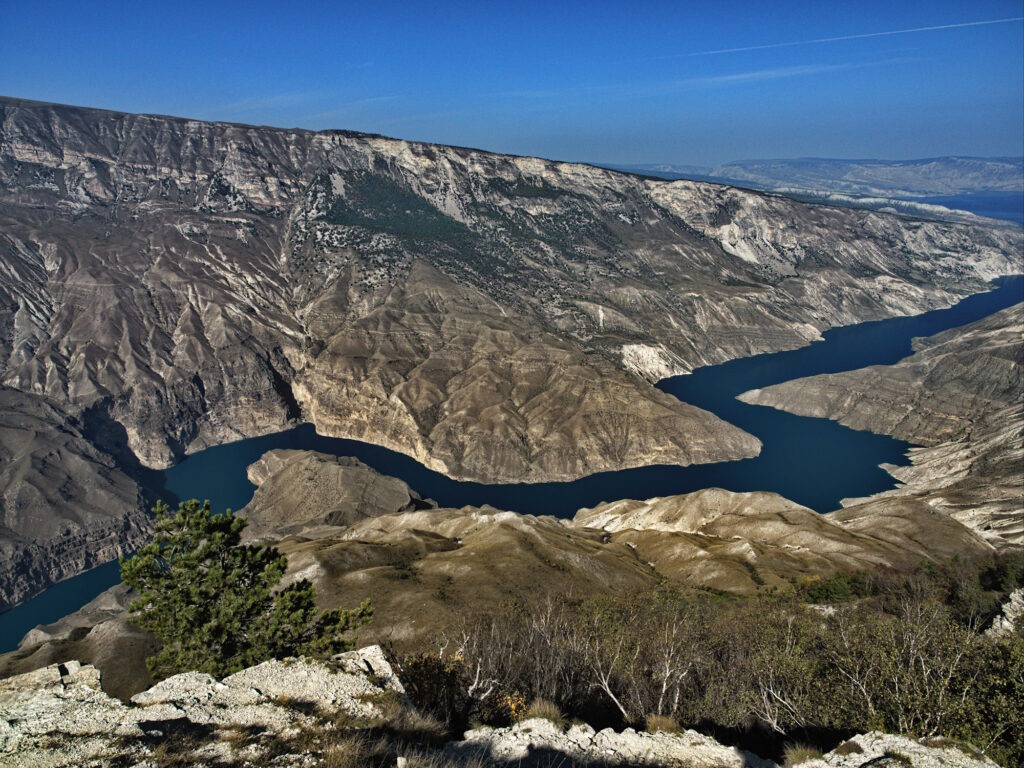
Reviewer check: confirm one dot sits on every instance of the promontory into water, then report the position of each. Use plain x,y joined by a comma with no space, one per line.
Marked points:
961,397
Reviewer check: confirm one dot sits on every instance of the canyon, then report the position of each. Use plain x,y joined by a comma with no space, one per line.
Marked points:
171,284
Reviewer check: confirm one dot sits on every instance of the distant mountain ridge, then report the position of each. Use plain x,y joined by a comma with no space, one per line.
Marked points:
902,178
944,188
924,177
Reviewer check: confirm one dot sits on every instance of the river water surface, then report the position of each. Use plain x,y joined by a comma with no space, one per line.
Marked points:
815,462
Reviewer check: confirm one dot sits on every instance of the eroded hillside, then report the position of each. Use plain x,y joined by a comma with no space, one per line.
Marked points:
356,533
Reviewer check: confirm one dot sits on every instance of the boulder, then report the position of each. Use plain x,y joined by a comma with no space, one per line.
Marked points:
539,742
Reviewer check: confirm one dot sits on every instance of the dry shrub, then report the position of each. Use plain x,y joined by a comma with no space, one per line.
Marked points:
798,754
547,710
350,750
661,723
849,748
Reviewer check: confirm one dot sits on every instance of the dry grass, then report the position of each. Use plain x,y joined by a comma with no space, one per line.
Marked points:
424,759
943,742
350,750
175,753
361,749
797,754
547,710
341,741
405,722
661,724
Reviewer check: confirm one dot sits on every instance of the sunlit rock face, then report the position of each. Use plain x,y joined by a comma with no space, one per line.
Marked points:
487,314
59,715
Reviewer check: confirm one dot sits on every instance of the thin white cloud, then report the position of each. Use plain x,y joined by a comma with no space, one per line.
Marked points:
773,73
259,103
630,90
887,33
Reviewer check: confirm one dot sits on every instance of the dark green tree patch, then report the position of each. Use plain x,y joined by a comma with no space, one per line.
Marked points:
213,603
379,204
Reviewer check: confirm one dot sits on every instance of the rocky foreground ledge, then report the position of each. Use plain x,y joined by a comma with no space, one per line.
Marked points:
307,713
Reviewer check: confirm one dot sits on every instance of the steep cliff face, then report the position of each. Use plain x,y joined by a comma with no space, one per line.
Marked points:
65,506
960,396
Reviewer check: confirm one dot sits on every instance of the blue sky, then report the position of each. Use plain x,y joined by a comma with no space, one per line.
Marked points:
629,82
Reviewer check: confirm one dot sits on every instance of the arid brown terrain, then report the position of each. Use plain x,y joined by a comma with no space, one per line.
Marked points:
356,533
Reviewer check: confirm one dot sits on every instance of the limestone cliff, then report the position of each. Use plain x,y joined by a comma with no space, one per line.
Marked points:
484,313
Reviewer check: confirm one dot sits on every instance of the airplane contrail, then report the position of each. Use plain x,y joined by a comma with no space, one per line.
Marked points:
858,37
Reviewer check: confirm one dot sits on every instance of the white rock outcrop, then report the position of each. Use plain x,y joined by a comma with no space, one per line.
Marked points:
281,712
883,750
541,742
1010,618
59,716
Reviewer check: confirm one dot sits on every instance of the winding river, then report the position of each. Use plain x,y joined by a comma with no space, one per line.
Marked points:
815,462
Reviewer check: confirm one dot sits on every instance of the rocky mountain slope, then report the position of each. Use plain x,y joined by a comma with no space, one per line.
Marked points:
429,569
498,318
100,633
65,505
300,713
312,491
210,281
961,396
357,534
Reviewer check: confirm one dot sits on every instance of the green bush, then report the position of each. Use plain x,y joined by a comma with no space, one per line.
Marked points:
994,716
834,589
212,600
